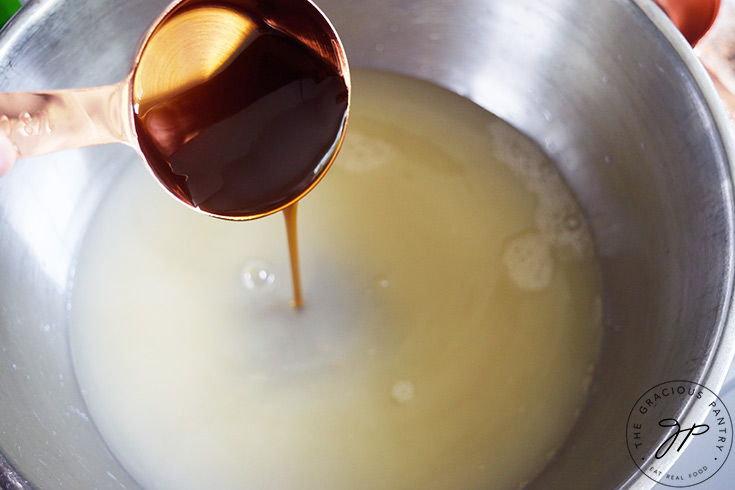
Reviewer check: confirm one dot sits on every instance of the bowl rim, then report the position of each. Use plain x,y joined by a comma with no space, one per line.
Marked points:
713,371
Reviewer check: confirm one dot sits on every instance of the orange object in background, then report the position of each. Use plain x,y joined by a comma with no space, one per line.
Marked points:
692,17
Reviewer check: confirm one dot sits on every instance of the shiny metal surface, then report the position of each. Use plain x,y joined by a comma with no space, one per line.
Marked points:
610,90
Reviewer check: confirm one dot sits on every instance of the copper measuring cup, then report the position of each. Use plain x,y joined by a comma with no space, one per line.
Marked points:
188,43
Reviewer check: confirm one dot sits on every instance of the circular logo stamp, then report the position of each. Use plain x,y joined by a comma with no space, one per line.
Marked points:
682,422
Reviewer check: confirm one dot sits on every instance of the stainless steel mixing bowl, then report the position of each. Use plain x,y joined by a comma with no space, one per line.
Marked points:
608,88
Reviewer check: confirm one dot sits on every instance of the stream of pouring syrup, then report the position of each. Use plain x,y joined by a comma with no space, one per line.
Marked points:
248,134
290,216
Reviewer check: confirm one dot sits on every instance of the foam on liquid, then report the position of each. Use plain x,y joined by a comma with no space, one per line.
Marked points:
451,320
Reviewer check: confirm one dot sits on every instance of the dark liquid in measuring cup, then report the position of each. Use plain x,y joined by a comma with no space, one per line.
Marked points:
251,137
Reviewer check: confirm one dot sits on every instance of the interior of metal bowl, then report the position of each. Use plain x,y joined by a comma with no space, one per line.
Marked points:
607,88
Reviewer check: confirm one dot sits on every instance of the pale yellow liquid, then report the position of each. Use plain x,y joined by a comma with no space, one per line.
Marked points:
450,326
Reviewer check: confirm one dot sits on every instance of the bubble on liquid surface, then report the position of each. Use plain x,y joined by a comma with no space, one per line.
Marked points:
403,391
256,275
362,153
563,225
524,158
529,262
558,215
573,222
382,282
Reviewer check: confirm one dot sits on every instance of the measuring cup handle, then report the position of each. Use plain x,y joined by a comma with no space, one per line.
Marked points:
44,122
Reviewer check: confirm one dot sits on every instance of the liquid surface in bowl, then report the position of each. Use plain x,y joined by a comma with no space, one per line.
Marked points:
451,324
